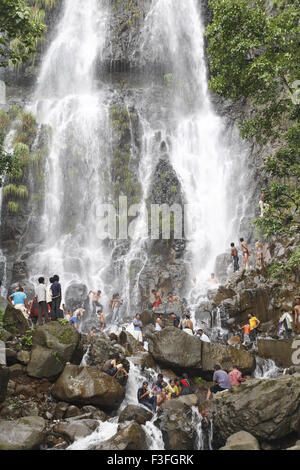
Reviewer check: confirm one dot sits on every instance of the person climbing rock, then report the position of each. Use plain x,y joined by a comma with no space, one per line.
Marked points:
41,294
221,381
159,323
254,324
236,377
56,297
95,299
235,256
138,327
158,299
112,368
246,333
201,335
246,253
263,206
144,398
286,324
18,300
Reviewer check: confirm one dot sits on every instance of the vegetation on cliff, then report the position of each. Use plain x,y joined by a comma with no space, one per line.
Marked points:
254,54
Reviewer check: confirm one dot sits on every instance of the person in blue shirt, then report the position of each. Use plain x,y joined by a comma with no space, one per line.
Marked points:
18,300
138,326
56,297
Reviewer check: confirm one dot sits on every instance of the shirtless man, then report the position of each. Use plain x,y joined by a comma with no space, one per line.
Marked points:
296,311
158,299
246,253
95,299
101,318
172,298
235,255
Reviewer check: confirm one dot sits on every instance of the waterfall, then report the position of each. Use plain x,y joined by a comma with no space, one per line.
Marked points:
266,369
69,100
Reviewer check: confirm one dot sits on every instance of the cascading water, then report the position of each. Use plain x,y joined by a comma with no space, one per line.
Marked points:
77,110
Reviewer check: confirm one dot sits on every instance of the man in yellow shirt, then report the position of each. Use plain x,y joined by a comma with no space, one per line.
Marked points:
254,324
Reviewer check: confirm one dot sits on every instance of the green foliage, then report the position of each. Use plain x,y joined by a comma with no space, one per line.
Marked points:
27,339
63,321
256,55
20,31
26,128
283,270
13,207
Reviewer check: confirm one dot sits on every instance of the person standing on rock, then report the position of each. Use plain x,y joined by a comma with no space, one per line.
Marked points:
138,327
188,326
246,253
56,297
259,254
286,324
101,318
254,324
221,381
158,299
144,398
18,300
177,322
95,299
49,296
159,323
296,312
116,305
42,300
235,256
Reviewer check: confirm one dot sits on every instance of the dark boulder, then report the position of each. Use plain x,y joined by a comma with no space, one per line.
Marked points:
14,321
136,413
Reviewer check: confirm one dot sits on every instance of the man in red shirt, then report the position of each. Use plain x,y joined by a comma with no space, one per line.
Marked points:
235,376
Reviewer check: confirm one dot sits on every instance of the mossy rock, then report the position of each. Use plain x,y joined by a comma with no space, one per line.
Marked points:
14,321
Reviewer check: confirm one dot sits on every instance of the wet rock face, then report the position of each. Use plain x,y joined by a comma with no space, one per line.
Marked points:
129,437
174,419
280,351
76,297
241,441
74,430
22,434
267,409
136,413
88,386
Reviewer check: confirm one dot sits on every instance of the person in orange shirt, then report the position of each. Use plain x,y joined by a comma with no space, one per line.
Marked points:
246,333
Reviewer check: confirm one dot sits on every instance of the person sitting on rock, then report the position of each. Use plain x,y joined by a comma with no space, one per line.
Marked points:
159,323
159,385
138,327
162,397
112,368
158,299
254,324
201,335
18,300
178,385
286,324
185,385
144,398
172,389
172,298
221,381
235,376
177,322
188,326
93,331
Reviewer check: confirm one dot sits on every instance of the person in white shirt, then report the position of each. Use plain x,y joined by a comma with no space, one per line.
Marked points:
201,335
41,298
159,323
286,324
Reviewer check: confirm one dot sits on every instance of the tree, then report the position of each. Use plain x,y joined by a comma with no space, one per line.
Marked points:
255,55
19,32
